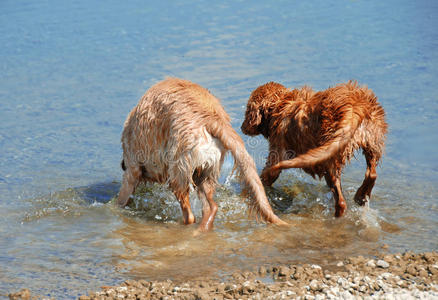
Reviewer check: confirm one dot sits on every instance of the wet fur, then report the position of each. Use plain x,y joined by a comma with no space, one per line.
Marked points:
178,134
318,132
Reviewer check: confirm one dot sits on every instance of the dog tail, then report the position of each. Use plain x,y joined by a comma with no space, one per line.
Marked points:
340,138
247,169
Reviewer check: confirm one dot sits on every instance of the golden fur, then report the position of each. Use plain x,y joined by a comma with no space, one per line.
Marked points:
318,132
178,134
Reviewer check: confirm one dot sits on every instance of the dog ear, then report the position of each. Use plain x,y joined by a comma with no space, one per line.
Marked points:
253,119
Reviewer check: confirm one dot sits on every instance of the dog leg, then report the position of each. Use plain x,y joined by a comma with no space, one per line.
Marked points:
334,182
131,178
209,207
184,202
269,175
364,190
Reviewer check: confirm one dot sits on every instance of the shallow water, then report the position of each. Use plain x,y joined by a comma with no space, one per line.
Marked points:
71,72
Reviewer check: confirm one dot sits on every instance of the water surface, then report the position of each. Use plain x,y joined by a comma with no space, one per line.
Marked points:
71,72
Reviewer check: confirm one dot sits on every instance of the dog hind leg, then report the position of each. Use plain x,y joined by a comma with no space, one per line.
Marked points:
184,202
364,190
209,207
334,182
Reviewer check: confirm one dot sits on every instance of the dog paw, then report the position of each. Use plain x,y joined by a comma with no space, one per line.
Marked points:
266,179
361,200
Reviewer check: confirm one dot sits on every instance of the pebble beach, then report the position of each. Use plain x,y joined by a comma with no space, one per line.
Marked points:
397,276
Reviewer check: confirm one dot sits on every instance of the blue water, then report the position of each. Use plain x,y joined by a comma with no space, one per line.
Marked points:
71,72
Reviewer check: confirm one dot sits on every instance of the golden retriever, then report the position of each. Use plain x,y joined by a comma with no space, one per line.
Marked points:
318,132
178,134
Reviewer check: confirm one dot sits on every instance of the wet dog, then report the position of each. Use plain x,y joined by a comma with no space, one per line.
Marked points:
178,134
318,132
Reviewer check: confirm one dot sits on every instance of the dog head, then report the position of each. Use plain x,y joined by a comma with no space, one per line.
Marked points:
259,108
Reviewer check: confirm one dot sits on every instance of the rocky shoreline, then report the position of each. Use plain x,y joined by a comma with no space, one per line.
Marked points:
396,276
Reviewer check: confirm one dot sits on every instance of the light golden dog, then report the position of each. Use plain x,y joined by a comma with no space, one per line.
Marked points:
318,132
179,134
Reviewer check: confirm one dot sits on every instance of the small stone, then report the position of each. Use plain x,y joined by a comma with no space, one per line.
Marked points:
382,264
283,271
298,273
202,285
343,283
389,258
262,271
110,293
346,295
371,263
411,270
248,287
380,283
229,287
130,282
433,269
309,272
408,255
144,283
289,293
246,283
319,297
423,273
122,289
220,288
429,257
201,295
315,285
340,264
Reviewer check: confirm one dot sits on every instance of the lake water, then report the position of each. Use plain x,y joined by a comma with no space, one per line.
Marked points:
72,70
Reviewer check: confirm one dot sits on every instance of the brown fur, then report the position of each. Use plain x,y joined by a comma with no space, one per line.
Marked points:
318,132
179,134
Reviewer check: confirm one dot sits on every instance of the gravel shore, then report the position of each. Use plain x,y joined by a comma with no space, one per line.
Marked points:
396,276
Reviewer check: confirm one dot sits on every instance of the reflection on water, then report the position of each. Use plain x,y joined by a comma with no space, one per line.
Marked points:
71,72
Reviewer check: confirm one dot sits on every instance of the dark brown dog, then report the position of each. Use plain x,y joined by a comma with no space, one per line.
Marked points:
179,134
318,132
